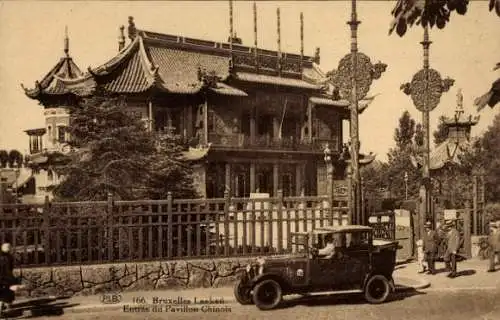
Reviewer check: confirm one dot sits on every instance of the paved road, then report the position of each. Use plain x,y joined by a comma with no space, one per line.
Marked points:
431,305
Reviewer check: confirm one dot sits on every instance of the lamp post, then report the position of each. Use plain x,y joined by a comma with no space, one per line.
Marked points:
425,89
354,77
329,176
406,185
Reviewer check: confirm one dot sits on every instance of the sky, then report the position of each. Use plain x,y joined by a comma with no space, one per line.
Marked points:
32,33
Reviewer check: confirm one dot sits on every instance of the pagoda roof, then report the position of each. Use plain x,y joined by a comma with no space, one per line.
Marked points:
460,120
446,153
53,83
173,64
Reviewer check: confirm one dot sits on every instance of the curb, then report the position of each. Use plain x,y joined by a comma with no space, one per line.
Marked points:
422,284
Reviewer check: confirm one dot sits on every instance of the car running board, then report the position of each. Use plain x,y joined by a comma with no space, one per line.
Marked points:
327,293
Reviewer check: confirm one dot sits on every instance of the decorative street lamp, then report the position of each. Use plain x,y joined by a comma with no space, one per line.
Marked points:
425,90
406,185
329,175
353,78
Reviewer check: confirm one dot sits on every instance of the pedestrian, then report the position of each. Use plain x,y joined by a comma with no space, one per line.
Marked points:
453,245
494,242
442,240
430,244
421,256
7,279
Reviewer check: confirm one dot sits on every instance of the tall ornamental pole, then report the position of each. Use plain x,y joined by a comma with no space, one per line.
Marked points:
425,90
354,77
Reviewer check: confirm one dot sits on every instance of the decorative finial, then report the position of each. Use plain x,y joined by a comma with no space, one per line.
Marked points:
121,38
301,36
426,44
460,100
132,31
460,105
231,32
279,39
66,41
255,34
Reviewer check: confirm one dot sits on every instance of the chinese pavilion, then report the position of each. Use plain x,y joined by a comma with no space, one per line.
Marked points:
256,120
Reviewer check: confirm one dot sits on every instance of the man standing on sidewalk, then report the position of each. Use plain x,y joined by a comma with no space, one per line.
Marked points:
452,249
430,247
494,241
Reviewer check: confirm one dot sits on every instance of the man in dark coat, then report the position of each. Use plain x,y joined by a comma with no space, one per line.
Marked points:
7,278
494,241
431,241
453,246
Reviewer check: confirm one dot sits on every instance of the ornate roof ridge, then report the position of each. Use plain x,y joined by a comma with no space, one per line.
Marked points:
216,46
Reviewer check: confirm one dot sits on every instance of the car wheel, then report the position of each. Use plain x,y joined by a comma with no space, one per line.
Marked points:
377,289
267,295
243,293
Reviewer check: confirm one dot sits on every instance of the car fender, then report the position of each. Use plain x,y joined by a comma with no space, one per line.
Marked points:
272,276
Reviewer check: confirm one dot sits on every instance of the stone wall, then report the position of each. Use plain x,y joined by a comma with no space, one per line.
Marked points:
157,275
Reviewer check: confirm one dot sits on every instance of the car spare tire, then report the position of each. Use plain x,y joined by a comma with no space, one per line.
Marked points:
243,293
267,294
377,289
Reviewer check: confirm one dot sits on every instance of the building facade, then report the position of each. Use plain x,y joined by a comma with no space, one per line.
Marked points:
255,120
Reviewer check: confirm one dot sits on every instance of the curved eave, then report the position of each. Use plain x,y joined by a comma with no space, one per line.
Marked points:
108,67
124,68
364,159
275,81
195,154
327,101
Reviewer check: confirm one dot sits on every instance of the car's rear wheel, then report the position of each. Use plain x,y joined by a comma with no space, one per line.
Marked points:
377,289
267,294
243,293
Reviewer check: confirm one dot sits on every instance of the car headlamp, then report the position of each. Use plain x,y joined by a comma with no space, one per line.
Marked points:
248,268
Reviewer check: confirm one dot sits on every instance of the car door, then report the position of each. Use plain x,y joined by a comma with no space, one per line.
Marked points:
355,261
324,273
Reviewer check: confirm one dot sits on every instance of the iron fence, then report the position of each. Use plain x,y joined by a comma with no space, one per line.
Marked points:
75,233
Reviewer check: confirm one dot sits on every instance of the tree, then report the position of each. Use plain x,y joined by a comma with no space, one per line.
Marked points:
4,158
15,158
484,153
490,98
391,175
441,134
115,154
430,13
404,134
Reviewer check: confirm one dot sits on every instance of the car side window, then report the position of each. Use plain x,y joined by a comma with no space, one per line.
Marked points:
357,240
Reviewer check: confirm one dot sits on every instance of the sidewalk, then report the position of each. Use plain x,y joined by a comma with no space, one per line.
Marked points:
472,276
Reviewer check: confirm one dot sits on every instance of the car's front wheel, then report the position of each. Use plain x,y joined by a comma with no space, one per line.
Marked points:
242,293
267,294
377,289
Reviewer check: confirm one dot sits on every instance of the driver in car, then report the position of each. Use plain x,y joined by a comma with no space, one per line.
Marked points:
328,251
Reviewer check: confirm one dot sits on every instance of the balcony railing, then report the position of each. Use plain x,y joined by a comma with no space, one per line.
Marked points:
241,141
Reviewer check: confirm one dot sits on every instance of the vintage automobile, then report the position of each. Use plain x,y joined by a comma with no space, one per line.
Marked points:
359,264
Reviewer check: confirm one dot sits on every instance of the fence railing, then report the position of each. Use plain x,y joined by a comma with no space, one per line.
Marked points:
68,233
